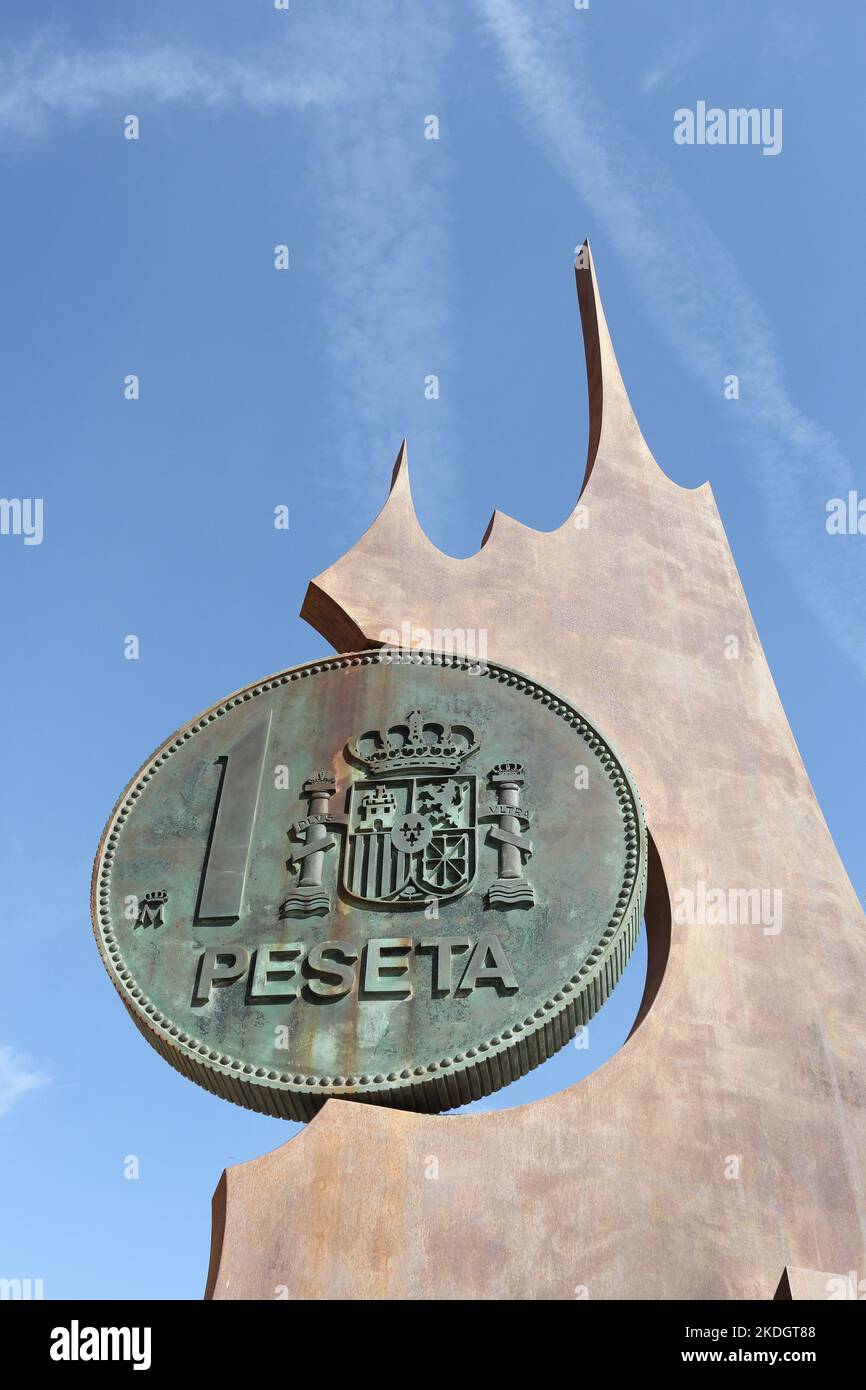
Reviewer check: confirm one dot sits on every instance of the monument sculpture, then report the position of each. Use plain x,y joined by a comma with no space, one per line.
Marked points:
404,877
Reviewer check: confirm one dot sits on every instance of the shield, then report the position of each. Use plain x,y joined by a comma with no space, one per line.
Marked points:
410,839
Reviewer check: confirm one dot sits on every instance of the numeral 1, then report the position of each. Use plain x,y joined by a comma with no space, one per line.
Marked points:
237,799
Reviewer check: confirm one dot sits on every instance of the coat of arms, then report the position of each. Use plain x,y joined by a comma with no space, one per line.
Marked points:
411,823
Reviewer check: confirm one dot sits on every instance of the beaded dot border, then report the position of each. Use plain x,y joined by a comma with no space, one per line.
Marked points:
155,1021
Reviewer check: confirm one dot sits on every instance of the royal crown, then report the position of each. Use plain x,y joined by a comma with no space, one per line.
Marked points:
416,743
321,781
507,772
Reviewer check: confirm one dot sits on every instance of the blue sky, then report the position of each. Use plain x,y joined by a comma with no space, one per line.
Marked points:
408,257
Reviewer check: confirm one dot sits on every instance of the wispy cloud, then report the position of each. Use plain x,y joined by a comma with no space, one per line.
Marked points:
698,300
381,199
678,50
47,79
18,1075
386,261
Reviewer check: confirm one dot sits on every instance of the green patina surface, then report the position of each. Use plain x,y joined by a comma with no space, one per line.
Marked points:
490,953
